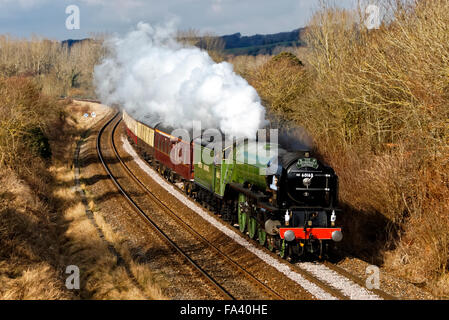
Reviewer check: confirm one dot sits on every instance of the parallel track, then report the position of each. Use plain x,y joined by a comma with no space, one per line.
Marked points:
187,227
198,236
224,292
213,282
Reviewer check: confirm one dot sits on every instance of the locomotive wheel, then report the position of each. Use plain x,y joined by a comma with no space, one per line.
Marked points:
252,227
243,218
283,252
262,235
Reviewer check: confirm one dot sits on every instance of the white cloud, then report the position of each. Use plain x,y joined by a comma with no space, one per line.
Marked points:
123,4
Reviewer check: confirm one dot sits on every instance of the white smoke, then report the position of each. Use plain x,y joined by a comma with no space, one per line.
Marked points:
148,73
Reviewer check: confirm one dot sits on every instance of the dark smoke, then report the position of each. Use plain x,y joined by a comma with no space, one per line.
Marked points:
291,136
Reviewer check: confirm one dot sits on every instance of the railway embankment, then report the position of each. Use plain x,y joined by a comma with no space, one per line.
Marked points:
47,237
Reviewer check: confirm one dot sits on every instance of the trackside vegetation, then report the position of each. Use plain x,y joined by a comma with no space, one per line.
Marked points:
376,104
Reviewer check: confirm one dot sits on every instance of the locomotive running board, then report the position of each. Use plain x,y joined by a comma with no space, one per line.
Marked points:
240,188
258,197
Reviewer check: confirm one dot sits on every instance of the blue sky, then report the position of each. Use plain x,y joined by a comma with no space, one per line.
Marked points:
22,18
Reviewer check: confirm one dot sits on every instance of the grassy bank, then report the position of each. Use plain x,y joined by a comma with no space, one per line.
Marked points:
43,223
376,104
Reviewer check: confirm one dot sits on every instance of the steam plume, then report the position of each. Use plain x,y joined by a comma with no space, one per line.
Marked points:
148,73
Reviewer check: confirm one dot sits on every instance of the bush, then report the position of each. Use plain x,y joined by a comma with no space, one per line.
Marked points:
26,118
376,103
38,143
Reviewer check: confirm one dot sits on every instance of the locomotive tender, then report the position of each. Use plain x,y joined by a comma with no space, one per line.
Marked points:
286,200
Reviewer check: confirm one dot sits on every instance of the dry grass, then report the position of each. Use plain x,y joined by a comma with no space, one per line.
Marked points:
30,267
101,277
377,106
36,282
43,224
145,278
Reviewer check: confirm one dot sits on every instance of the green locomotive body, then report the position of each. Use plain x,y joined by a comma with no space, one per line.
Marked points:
216,167
285,200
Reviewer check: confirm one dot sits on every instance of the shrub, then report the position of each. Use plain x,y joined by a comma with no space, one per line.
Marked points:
26,118
376,103
38,142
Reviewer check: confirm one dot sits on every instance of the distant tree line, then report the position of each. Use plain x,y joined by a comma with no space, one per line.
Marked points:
60,69
237,41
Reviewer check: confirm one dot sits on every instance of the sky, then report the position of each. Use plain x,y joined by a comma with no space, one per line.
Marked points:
47,18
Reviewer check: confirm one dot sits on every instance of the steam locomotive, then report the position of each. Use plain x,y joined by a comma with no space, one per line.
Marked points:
286,200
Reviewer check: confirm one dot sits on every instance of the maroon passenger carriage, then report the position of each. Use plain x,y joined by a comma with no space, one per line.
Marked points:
159,147
309,218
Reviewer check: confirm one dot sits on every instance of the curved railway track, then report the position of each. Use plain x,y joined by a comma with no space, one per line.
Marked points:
306,274
219,287
158,230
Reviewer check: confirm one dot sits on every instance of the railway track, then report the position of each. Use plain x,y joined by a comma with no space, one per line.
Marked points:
135,206
220,287
309,275
212,280
355,279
